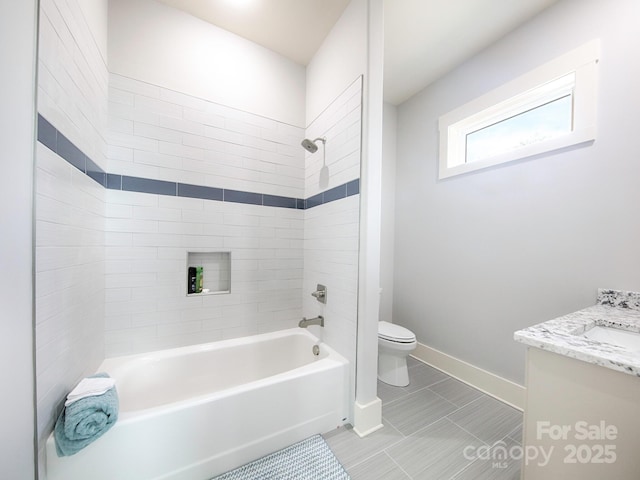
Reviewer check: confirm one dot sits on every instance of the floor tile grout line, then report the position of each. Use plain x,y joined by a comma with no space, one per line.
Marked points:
394,427
473,435
446,400
439,381
467,404
397,464
426,387
519,442
378,452
467,467
454,424
447,417
513,431
429,425
471,401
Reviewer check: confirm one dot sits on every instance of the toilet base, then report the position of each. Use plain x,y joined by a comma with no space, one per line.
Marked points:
393,370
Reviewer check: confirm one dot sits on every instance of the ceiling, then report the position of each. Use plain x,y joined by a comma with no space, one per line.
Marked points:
293,28
424,39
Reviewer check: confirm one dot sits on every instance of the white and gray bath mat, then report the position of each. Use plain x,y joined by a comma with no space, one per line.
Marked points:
310,459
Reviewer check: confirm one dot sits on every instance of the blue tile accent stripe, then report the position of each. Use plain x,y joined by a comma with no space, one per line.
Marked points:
55,141
236,196
197,191
148,185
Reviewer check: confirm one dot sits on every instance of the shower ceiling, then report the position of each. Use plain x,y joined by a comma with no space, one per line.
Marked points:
424,39
293,28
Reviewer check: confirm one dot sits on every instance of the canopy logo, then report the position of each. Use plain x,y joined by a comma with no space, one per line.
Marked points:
581,442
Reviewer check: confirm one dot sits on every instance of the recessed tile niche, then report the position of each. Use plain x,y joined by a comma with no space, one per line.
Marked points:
216,272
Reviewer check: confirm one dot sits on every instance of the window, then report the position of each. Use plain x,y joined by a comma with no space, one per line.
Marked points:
546,109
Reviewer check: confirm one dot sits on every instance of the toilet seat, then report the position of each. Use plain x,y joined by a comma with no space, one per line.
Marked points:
395,333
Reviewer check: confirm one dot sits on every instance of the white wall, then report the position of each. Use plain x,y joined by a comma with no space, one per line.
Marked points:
17,133
479,256
152,42
341,59
387,234
72,96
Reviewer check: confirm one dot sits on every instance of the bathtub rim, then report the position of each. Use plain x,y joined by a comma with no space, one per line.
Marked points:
332,360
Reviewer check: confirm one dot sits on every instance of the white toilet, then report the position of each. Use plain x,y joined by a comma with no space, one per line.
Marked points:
395,343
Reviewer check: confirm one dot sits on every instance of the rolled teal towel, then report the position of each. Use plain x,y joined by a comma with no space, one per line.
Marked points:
85,420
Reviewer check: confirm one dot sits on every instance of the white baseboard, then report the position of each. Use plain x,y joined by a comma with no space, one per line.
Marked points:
504,390
367,418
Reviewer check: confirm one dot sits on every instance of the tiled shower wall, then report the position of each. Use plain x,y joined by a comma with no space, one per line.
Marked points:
69,288
166,135
117,285
161,134
331,230
158,133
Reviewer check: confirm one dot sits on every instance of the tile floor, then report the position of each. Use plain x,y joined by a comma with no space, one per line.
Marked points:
428,427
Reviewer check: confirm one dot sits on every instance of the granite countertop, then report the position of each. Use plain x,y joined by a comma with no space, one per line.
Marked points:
563,335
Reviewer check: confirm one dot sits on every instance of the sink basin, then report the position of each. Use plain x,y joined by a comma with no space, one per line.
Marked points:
614,336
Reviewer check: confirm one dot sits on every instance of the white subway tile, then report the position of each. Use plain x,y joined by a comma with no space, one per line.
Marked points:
129,307
181,328
114,253
202,242
118,266
124,280
183,203
156,240
180,150
117,124
155,318
122,154
223,135
119,322
119,96
118,211
157,213
204,118
130,225
159,133
121,197
118,239
200,141
133,86
202,216
182,125
130,334
129,140
155,105
180,228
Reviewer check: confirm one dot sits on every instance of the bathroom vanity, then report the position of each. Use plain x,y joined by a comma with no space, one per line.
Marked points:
581,415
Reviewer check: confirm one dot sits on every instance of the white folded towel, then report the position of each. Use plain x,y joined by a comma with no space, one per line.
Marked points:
89,387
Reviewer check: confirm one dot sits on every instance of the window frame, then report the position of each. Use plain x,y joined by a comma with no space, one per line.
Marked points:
528,91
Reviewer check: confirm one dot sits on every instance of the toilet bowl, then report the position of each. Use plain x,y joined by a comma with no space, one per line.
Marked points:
395,343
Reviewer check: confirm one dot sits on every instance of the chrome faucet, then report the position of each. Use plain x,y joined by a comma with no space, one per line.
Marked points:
304,323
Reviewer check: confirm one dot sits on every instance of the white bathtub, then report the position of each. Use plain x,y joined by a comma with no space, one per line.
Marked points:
195,412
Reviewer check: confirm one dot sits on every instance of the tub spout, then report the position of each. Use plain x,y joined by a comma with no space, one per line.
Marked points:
304,323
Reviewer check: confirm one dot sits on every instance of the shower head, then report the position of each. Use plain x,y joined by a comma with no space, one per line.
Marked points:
310,145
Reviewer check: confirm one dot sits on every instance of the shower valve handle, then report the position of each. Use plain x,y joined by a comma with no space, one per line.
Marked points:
320,294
